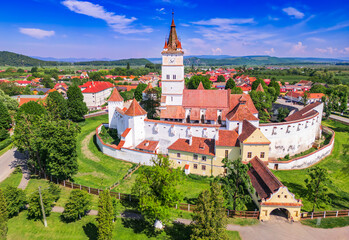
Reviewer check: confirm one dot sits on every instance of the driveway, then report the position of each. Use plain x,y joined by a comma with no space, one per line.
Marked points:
9,161
340,119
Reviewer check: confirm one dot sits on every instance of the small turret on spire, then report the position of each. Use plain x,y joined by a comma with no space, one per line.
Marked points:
173,44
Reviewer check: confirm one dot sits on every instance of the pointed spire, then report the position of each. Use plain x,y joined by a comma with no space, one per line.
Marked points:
135,109
260,88
200,87
165,47
115,96
173,23
173,43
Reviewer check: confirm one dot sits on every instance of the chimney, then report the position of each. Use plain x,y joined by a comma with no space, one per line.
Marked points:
240,127
190,140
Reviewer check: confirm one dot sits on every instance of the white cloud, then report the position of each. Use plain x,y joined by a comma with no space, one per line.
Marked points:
269,52
331,50
119,23
273,18
224,21
315,39
184,25
216,51
293,12
161,10
298,48
36,33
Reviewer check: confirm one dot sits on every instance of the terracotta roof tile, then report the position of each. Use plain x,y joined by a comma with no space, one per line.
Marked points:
227,138
304,112
175,112
247,130
148,145
234,100
95,86
259,88
200,87
135,109
205,98
240,113
127,130
115,96
211,114
203,146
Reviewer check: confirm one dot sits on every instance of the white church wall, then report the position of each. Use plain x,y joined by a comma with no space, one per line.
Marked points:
173,70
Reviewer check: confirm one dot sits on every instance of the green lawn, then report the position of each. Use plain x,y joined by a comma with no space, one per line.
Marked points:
13,180
339,188
96,169
6,149
327,222
124,229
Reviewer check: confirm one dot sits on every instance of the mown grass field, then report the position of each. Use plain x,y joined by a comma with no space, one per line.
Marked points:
96,169
338,189
13,180
124,229
327,222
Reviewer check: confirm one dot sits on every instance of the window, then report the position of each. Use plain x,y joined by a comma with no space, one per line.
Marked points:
174,76
195,157
203,167
285,196
226,153
179,162
262,154
249,154
167,76
278,196
178,155
195,166
171,99
204,158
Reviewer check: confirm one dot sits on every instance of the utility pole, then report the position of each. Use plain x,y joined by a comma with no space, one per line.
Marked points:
42,207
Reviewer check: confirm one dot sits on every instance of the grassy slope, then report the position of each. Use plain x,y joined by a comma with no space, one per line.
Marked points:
124,229
327,222
339,188
13,180
98,174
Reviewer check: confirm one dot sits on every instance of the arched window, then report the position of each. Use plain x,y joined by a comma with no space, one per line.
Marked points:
202,118
219,119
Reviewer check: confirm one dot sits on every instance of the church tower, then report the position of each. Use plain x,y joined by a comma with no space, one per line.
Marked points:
172,69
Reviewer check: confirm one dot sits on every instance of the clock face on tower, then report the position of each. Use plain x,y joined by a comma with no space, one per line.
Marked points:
171,60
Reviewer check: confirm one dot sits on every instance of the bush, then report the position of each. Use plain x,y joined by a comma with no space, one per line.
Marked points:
5,143
4,134
55,191
77,205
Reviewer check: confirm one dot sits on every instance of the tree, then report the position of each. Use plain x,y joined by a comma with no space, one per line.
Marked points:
151,102
9,102
209,218
5,118
263,103
31,108
316,186
318,88
236,184
56,105
138,95
220,78
4,134
15,199
257,82
3,216
195,80
156,189
128,66
55,191
275,85
282,113
34,210
47,82
305,98
76,106
77,205
343,103
230,84
105,216
236,90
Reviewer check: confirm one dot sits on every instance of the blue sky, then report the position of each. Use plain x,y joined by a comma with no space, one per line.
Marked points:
123,29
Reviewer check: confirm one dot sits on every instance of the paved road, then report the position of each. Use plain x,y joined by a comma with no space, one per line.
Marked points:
9,161
339,118
283,102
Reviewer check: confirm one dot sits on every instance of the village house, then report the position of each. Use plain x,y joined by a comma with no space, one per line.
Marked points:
96,93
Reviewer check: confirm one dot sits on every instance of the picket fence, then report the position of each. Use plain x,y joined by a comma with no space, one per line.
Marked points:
325,214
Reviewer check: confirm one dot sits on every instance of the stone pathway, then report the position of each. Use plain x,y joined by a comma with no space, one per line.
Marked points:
9,161
25,177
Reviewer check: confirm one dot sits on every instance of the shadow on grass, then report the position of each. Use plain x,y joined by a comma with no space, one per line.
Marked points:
139,226
91,231
296,189
178,231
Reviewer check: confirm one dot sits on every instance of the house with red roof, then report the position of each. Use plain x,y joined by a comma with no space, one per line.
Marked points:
96,93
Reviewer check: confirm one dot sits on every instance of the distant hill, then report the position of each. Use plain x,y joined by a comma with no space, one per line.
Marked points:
15,59
121,62
217,60
71,60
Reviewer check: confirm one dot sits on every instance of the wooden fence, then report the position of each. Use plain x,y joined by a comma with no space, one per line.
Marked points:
325,214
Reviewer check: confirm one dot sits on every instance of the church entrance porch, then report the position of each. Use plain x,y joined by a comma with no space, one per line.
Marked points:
279,215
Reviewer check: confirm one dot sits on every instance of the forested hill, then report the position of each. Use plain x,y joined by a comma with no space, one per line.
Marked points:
15,59
19,60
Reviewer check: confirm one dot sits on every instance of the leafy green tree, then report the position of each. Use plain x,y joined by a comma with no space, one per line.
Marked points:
9,102
282,114
209,218
31,108
3,134
115,209
195,80
47,82
34,210
343,103
15,199
27,90
77,206
10,88
76,106
156,189
317,191
230,84
263,103
138,95
105,216
236,184
220,78
151,102
236,90
275,85
305,98
257,82
55,191
56,105
5,118
3,216
318,88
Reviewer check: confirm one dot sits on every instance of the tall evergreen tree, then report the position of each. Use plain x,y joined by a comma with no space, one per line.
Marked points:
230,84
56,105
3,216
151,103
209,218
34,210
15,199
5,118
76,106
105,216
77,205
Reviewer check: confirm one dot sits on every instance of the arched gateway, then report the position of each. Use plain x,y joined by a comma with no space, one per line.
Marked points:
271,195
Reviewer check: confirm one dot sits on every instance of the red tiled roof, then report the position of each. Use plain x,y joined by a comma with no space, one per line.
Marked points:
205,98
304,112
195,114
259,88
127,130
95,86
200,87
211,114
22,101
115,96
227,138
234,99
315,95
282,204
247,130
175,112
148,145
241,112
135,109
203,146
262,179
23,82
186,166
